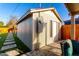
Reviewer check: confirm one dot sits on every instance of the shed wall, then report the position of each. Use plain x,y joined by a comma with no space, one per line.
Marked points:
25,32
44,37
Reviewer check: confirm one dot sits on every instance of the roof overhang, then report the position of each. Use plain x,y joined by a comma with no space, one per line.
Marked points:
39,10
73,8
47,9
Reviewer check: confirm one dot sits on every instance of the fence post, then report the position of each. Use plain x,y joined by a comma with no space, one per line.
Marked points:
72,30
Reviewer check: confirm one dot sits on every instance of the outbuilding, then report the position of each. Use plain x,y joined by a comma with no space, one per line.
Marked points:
39,27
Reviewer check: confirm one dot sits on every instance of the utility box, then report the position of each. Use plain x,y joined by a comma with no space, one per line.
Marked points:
39,27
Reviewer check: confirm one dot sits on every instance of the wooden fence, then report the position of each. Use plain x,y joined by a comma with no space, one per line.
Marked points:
65,32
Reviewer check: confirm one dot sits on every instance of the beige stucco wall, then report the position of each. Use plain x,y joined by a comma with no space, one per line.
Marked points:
44,37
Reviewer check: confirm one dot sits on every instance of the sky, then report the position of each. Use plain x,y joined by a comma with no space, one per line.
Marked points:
18,9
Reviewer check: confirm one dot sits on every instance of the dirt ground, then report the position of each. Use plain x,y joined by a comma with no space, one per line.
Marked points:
53,49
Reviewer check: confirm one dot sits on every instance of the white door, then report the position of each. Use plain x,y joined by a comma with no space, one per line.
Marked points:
55,35
42,37
49,32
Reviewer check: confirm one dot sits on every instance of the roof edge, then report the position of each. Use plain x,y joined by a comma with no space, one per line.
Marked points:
37,10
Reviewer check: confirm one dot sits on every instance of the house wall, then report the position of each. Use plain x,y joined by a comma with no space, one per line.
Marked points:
24,32
44,37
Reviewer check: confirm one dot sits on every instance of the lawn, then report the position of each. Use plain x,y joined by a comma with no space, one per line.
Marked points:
2,38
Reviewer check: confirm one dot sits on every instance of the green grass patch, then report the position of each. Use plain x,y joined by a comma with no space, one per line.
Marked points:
2,39
20,44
